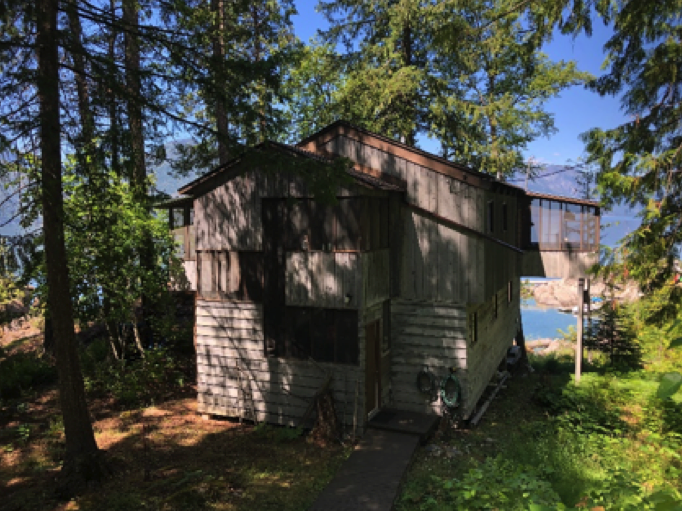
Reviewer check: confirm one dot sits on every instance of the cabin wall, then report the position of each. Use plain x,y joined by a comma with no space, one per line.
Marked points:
423,335
324,279
426,189
438,263
236,379
557,264
229,217
491,328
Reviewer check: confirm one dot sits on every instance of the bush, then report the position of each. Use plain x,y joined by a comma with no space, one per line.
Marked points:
24,371
131,383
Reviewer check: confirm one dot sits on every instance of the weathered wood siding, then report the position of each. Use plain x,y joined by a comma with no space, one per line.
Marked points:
229,217
376,277
424,334
493,337
425,188
438,263
540,263
235,379
324,279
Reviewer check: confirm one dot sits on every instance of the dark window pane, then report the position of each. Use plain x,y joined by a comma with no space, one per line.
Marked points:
191,216
347,336
250,276
323,334
321,226
299,335
504,216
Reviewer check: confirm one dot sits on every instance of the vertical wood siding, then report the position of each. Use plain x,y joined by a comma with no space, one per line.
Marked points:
323,279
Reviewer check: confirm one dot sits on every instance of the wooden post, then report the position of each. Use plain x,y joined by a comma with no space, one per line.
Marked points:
579,343
588,301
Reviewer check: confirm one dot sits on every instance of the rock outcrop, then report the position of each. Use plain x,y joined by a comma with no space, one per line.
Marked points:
564,292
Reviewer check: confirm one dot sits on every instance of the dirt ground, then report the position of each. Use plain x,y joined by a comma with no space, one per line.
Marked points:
165,457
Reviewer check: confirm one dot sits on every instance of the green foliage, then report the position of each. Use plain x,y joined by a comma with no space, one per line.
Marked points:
24,371
497,484
132,383
614,335
468,74
639,161
277,434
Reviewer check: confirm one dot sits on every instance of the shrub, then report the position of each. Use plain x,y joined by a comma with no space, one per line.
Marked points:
23,371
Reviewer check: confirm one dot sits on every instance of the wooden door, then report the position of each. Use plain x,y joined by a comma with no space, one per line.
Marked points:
372,367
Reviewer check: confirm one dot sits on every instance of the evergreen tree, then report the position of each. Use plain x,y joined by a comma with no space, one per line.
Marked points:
639,161
469,74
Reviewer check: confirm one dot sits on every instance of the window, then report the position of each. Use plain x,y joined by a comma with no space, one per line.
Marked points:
556,225
326,335
504,217
182,225
230,275
491,216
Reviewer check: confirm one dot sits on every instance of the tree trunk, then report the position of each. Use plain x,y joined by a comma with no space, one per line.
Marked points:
78,58
411,135
113,117
83,462
138,176
218,43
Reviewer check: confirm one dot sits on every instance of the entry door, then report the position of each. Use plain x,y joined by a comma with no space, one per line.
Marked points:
372,367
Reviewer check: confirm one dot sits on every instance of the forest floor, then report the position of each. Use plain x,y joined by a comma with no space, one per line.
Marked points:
165,456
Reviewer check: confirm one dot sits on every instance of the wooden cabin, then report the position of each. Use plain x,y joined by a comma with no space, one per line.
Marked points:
416,267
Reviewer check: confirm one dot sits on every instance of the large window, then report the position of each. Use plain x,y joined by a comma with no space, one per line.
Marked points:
557,225
326,335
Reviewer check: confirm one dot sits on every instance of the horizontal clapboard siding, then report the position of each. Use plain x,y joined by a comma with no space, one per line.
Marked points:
424,334
236,379
495,336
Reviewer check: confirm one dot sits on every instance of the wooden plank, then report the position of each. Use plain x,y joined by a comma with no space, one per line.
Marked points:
230,323
228,304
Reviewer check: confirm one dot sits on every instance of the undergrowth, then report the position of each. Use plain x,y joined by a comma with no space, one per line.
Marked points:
546,444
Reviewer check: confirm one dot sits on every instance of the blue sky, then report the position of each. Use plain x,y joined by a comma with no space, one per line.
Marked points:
576,111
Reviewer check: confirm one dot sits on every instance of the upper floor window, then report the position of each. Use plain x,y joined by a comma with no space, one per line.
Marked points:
505,221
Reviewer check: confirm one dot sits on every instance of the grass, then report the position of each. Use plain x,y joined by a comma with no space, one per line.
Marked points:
165,457
607,444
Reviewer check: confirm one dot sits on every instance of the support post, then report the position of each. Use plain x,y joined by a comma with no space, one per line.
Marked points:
588,302
579,339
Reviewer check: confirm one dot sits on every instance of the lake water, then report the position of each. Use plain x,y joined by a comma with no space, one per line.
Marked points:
543,322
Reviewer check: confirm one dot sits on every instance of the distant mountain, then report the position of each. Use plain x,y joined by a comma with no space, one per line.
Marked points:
561,180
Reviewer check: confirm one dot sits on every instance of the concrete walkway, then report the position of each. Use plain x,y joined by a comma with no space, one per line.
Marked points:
370,478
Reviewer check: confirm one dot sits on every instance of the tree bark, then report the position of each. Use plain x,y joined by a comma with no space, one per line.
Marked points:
138,176
83,462
218,43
